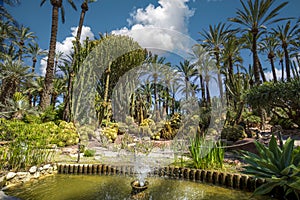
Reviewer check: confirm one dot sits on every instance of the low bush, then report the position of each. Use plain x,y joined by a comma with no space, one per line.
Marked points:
233,133
29,143
89,153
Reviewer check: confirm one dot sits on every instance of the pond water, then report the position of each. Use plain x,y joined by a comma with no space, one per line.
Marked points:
84,187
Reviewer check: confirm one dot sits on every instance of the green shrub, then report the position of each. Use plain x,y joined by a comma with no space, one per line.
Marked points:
283,122
279,166
26,145
28,142
89,153
233,133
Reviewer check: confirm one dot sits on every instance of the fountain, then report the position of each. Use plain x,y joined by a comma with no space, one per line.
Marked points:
139,190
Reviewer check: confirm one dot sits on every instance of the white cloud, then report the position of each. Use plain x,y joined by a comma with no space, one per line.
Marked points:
160,28
278,72
66,46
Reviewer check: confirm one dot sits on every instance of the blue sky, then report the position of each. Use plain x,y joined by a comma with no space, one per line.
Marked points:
185,16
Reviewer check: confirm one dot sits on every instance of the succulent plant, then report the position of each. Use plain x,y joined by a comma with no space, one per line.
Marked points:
279,166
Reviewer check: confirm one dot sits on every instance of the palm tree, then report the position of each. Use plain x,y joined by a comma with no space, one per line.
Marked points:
247,43
12,74
7,33
36,89
59,87
198,54
214,40
287,34
254,16
48,87
231,55
270,45
22,35
187,71
67,108
84,9
35,51
280,55
59,55
208,68
154,68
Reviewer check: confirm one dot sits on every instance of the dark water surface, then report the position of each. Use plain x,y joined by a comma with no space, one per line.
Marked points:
85,187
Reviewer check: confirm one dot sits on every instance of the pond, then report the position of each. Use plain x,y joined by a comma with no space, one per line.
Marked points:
85,187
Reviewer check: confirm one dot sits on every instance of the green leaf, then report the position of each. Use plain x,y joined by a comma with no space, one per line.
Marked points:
266,188
286,171
286,157
295,184
273,146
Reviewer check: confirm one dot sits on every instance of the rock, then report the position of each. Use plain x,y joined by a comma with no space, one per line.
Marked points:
2,181
146,138
46,167
36,175
22,175
32,169
50,170
6,197
10,175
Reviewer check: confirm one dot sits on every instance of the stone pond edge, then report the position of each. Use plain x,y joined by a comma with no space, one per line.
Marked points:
230,180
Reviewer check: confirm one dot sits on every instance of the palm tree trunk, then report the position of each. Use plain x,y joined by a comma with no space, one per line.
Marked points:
219,76
84,8
270,56
202,87
30,96
48,85
68,99
282,69
207,93
287,62
261,70
255,58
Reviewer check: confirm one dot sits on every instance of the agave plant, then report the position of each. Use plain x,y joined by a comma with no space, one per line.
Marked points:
280,167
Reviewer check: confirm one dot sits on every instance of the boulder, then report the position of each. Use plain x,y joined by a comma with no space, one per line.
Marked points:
10,175
33,169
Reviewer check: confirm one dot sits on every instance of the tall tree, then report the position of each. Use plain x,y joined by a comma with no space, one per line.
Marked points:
270,45
188,72
280,55
287,34
214,40
247,43
231,55
34,52
22,35
68,98
48,85
198,54
13,75
254,15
